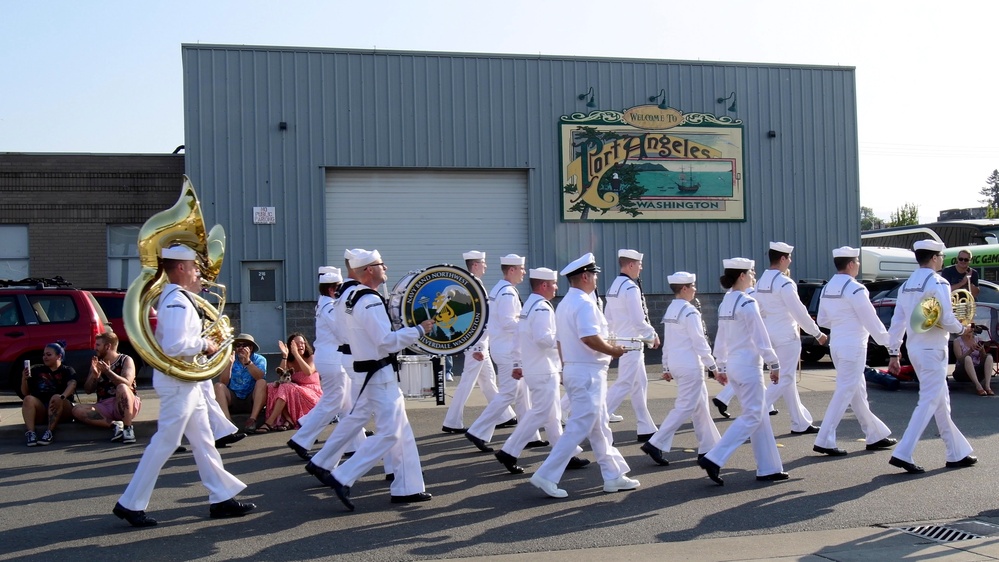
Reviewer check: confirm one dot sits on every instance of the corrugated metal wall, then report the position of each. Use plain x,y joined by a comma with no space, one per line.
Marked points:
346,108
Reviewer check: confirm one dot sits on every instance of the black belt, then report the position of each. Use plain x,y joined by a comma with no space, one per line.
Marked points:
370,367
345,349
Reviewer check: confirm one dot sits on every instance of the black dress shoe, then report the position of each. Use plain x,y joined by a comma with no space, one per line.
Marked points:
224,442
576,463
909,467
390,477
509,461
319,472
722,407
418,497
835,452
644,437
342,492
655,453
885,443
700,456
368,433
447,429
965,462
712,469
807,430
536,444
180,449
775,477
508,423
134,518
774,412
347,455
301,451
230,508
478,443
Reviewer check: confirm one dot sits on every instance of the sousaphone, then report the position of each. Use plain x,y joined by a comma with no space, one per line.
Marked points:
183,223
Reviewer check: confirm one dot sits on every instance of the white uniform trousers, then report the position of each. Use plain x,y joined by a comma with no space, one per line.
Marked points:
851,390
183,411
349,432
632,381
512,392
753,423
545,412
392,434
335,398
728,393
691,404
475,371
788,355
934,402
221,426
586,385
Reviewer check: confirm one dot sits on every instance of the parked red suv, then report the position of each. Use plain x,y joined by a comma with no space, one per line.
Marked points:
37,312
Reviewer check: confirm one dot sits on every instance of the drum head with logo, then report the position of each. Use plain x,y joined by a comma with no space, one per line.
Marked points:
450,296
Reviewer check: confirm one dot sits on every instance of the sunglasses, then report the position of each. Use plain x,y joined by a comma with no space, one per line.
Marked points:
963,259
239,345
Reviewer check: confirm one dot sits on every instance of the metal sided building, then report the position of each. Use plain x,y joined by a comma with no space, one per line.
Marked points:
300,153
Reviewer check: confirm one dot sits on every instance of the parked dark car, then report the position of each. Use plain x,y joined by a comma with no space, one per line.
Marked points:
37,312
809,291
113,302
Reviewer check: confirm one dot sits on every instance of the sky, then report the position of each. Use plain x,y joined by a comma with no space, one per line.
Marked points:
105,76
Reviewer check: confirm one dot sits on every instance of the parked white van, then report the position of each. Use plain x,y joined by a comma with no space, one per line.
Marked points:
886,263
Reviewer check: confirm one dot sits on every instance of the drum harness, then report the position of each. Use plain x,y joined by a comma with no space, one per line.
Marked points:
372,366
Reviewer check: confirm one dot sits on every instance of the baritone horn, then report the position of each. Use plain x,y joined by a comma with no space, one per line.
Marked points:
183,223
927,314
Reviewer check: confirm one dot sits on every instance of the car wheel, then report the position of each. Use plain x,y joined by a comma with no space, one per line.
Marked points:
812,354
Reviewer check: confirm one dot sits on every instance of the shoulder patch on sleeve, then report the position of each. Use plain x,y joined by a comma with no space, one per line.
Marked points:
859,289
176,305
372,305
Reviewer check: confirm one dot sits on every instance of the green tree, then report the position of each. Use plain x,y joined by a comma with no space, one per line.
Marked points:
870,221
906,215
990,194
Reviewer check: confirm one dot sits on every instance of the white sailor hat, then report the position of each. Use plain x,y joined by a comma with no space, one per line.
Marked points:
329,274
348,254
473,255
782,247
846,252
630,254
543,274
179,252
512,259
739,263
363,257
929,245
582,264
681,278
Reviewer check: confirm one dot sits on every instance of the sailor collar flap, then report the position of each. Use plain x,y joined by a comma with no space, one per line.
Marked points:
619,284
912,285
727,313
498,289
765,284
534,302
681,311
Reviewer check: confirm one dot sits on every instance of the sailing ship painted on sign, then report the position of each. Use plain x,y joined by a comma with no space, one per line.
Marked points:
669,178
686,182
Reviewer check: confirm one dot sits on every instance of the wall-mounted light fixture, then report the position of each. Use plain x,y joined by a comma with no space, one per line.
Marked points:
589,92
729,97
283,126
661,94
772,134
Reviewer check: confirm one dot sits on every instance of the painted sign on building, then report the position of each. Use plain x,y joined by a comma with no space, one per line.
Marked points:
649,163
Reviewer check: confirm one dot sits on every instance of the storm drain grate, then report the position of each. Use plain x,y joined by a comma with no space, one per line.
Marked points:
939,533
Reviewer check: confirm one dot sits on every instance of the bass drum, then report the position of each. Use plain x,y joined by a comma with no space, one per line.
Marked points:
450,296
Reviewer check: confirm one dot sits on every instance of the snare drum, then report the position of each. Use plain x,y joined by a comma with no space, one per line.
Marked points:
450,296
416,376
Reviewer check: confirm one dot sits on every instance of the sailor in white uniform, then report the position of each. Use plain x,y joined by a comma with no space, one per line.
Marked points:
628,316
741,346
582,331
928,354
845,308
685,355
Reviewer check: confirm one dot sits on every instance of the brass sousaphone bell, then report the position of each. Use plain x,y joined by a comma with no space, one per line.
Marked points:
927,314
183,223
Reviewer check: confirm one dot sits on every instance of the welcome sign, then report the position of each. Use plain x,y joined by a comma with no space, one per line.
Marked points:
647,163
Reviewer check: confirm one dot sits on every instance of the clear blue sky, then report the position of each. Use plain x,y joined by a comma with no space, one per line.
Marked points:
102,76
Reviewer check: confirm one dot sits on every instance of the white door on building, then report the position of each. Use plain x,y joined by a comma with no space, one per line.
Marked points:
420,218
261,304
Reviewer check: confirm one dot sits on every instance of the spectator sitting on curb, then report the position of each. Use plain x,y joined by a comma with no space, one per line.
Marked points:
243,387
112,378
47,390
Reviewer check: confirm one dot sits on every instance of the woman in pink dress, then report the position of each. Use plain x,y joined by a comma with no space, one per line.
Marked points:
289,401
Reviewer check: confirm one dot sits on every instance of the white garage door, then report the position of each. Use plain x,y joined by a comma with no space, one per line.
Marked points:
420,218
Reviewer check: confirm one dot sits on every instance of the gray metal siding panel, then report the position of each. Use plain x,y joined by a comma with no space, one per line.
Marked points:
443,110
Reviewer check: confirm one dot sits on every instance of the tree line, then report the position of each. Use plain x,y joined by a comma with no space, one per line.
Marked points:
908,213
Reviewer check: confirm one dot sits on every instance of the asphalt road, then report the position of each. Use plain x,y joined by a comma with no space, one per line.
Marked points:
56,501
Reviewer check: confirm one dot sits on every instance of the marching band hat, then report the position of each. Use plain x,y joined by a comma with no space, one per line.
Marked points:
247,338
544,274
512,259
582,264
473,255
630,254
329,274
846,252
782,247
363,257
179,252
348,254
739,263
681,278
929,245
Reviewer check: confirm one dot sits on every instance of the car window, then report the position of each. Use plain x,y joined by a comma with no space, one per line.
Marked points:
112,305
987,294
53,308
9,313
